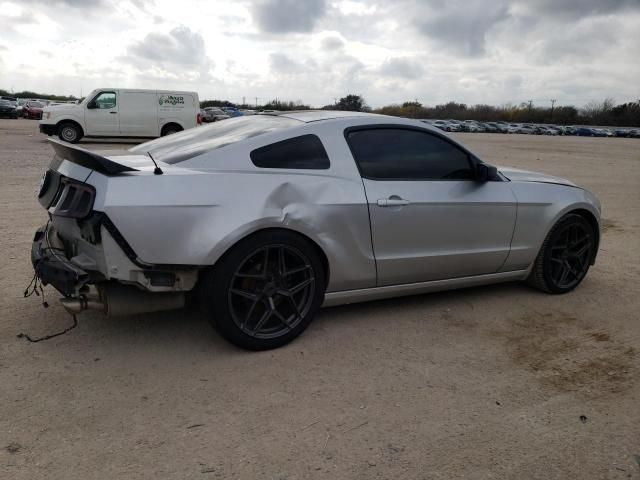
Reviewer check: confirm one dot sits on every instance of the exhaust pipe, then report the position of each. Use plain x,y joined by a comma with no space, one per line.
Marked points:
115,299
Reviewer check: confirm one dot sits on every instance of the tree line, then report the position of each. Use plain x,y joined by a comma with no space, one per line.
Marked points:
604,112
43,96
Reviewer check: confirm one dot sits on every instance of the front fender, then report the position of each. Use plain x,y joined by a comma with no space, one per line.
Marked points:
540,206
65,118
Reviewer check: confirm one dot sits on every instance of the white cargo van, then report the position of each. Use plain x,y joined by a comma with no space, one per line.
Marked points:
120,112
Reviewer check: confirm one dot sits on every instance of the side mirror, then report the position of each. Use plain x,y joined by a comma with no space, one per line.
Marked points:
485,173
92,104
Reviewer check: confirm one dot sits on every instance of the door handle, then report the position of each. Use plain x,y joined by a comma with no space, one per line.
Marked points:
113,112
392,201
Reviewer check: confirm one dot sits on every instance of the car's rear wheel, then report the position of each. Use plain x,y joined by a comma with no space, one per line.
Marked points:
170,129
565,256
69,132
265,291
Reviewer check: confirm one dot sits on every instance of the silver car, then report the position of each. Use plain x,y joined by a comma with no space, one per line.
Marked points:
267,218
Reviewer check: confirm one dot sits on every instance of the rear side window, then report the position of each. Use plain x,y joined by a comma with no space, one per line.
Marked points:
304,152
193,142
405,154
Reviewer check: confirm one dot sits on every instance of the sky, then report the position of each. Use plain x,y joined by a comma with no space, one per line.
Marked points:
315,51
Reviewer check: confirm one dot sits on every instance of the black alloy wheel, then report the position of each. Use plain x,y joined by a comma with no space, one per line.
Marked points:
566,255
266,290
271,291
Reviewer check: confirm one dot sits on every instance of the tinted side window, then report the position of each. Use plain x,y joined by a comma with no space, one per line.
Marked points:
304,152
402,154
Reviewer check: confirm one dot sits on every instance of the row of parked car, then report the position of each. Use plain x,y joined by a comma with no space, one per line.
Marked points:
214,114
530,129
31,108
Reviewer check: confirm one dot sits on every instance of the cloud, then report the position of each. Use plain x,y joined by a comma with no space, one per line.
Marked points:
287,16
282,63
462,26
85,4
577,8
180,46
401,67
332,43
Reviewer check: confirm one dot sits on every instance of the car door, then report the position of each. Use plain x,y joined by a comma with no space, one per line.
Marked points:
101,115
430,219
138,113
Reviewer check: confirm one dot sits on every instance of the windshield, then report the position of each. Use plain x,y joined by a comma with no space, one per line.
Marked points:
196,141
6,103
35,104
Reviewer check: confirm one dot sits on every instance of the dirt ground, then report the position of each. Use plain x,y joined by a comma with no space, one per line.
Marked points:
492,382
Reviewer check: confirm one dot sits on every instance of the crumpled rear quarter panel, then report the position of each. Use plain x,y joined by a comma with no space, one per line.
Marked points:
192,219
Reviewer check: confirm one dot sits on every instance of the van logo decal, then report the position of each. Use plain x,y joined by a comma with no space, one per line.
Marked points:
170,100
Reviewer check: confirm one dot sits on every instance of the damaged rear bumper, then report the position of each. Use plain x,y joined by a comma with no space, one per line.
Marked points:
80,289
52,266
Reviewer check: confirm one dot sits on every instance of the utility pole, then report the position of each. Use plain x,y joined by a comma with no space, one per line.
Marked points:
256,102
243,102
553,102
530,106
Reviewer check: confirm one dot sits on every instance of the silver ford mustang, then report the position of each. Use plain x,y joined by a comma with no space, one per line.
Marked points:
267,218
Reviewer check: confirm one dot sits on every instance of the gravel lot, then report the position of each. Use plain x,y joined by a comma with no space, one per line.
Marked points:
482,383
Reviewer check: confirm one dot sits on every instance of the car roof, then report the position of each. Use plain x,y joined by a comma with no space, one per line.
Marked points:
316,115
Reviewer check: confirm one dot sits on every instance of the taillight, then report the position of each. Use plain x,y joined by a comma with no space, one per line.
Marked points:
199,119
74,199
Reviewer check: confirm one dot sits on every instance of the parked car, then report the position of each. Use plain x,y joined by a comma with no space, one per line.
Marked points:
119,112
499,127
621,132
266,218
231,111
8,109
20,106
603,132
445,126
490,127
472,126
544,130
32,110
213,114
585,132
528,130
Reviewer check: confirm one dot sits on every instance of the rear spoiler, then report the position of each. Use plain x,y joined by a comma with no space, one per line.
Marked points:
87,159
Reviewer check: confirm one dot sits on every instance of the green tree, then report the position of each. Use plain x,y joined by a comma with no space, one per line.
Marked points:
351,103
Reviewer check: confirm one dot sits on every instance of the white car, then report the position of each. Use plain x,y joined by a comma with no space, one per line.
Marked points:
119,112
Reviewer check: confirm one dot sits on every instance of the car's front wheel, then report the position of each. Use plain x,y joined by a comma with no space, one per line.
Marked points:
266,290
70,132
565,256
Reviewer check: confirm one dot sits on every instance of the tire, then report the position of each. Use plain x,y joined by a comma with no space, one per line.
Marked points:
565,256
258,307
69,132
170,129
